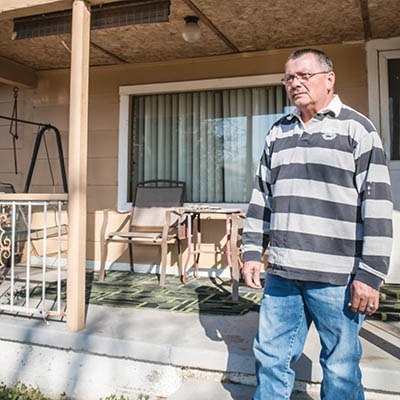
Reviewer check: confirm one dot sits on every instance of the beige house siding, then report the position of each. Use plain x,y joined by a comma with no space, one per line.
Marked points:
49,103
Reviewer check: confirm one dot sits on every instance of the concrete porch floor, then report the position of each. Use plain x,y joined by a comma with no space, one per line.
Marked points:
170,355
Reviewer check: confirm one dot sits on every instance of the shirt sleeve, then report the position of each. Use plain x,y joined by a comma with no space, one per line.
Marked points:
256,228
373,184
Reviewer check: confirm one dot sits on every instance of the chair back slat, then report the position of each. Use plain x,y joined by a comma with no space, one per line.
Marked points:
152,200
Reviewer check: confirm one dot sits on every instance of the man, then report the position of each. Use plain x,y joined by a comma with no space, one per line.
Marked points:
322,199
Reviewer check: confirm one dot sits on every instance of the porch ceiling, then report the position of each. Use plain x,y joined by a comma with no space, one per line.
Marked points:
234,26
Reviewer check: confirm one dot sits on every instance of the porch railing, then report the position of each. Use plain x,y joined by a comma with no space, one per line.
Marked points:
33,260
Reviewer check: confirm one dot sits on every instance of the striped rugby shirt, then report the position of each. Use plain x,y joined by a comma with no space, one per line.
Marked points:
322,200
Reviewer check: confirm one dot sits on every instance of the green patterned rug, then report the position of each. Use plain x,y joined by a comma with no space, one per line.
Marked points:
389,303
204,295
127,289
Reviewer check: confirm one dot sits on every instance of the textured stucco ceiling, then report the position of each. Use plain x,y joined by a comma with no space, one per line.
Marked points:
248,25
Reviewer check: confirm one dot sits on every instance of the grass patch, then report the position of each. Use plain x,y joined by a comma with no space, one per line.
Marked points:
20,391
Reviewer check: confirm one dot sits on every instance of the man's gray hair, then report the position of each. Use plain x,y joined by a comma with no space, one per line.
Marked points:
322,57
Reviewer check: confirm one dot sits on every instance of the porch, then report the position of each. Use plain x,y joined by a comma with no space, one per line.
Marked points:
171,342
152,347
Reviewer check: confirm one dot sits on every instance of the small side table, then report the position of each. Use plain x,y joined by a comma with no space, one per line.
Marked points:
191,231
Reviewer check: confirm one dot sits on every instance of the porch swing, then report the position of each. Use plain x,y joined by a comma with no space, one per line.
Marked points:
42,129
22,218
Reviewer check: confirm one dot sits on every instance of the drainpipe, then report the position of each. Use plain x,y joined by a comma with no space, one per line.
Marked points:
77,165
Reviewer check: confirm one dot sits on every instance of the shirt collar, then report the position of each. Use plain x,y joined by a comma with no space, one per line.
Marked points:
333,107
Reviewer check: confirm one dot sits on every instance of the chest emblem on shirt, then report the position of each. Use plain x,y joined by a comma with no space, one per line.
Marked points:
328,135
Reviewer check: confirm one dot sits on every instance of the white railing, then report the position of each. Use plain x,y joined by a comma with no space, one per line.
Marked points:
33,242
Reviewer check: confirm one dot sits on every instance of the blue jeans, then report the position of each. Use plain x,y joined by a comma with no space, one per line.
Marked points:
287,309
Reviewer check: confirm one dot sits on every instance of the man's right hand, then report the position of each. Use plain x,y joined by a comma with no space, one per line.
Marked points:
251,274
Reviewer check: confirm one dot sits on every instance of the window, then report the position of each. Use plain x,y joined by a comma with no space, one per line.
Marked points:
211,139
394,107
383,66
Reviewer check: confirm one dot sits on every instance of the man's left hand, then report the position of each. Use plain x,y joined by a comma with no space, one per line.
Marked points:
363,298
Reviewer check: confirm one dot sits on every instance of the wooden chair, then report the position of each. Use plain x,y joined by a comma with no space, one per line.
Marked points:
152,221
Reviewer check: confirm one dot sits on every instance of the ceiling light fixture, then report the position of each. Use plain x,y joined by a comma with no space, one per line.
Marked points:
191,31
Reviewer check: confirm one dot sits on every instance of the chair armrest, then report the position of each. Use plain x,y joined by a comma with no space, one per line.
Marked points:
169,214
105,222
181,226
176,212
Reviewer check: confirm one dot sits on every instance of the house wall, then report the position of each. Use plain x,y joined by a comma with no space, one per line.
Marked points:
49,103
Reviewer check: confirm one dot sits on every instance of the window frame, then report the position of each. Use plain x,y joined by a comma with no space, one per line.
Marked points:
125,93
379,51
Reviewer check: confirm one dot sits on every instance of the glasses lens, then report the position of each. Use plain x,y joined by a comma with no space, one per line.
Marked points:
288,78
302,77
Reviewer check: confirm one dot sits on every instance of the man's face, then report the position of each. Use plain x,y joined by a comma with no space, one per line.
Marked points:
313,93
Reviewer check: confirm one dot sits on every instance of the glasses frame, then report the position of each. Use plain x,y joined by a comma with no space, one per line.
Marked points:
302,77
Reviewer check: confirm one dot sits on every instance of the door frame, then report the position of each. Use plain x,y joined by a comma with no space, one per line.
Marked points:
378,54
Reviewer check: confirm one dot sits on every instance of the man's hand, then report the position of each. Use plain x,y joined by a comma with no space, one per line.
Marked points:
251,274
363,298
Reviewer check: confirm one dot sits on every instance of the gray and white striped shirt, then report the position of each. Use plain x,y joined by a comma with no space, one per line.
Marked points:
322,199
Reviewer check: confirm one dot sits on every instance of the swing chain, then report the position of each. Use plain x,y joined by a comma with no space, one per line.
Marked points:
14,123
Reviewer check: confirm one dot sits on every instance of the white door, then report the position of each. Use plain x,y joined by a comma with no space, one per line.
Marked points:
389,79
389,110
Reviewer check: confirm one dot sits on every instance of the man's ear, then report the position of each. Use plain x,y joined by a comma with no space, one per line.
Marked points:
330,80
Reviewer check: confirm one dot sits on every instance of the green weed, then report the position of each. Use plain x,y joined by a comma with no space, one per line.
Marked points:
20,391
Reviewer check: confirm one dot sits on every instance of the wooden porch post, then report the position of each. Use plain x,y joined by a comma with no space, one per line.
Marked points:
77,165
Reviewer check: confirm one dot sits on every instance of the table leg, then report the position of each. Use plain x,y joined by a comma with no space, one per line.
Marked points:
228,251
189,233
198,246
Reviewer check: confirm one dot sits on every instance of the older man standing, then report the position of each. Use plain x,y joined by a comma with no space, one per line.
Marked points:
322,200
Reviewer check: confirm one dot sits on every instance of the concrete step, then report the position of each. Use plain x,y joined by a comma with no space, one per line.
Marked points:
158,353
206,390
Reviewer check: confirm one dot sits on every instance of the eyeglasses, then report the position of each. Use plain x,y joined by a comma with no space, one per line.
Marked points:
301,76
